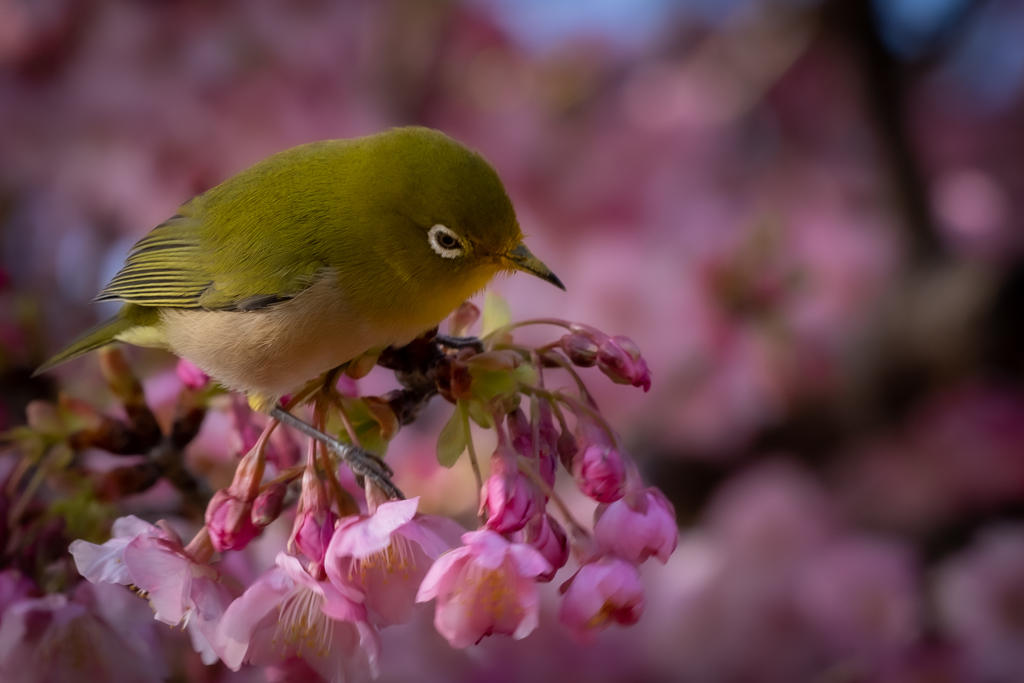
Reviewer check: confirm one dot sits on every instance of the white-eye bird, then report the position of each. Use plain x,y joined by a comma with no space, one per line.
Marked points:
313,257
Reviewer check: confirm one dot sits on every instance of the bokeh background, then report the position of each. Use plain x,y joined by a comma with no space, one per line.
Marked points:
806,213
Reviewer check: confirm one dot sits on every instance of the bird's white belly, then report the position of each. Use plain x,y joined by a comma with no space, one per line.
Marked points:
275,350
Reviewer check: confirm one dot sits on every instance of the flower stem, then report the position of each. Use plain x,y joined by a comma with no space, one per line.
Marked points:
526,467
463,408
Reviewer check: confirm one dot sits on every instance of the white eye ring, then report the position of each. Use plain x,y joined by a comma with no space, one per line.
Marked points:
444,242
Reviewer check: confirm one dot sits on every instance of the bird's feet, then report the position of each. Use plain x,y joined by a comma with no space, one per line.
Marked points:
460,342
361,462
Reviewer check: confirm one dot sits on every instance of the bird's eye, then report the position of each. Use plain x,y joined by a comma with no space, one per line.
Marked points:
445,242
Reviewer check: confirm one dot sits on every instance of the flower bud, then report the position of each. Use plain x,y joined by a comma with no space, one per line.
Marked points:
464,317
580,349
268,505
120,378
567,449
598,467
312,533
314,520
508,498
521,431
229,521
191,375
619,359
549,538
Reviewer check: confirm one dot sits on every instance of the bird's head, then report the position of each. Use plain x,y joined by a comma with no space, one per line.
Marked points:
456,225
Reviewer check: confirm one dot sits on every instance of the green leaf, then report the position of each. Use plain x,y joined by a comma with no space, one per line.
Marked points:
451,442
497,313
487,385
480,414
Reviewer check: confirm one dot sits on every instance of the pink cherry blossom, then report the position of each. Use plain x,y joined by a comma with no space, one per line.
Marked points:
287,613
601,593
637,526
102,633
486,586
860,595
13,588
388,553
148,557
980,594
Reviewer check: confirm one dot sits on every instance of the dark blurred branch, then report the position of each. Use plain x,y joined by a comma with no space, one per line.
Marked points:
885,82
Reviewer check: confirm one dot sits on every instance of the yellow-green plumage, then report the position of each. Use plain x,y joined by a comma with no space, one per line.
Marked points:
314,256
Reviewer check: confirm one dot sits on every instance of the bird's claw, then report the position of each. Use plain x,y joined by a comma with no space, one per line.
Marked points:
366,464
361,462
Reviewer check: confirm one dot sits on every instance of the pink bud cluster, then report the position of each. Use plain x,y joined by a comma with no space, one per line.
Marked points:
489,584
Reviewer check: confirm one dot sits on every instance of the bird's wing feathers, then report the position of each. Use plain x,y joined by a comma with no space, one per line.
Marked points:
178,265
163,269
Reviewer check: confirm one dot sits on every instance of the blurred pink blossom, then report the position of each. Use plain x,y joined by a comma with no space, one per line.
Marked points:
980,596
606,591
861,596
102,633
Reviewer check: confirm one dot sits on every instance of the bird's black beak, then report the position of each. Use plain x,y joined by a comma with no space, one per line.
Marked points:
520,258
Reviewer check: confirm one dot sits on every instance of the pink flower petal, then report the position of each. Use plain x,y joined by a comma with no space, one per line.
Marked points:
373,534
243,616
163,573
439,573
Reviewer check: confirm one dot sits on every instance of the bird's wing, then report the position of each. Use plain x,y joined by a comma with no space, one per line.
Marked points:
179,265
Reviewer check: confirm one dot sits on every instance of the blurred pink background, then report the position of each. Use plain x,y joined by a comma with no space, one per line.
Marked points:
806,214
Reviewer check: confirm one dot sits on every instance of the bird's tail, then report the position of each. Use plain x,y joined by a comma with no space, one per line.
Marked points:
90,340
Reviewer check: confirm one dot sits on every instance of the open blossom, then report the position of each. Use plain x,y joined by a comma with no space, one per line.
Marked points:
601,593
287,613
388,553
637,526
487,586
101,634
148,557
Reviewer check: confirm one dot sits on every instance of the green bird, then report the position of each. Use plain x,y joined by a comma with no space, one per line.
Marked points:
313,257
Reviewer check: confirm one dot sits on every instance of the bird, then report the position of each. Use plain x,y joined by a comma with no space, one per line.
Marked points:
314,257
